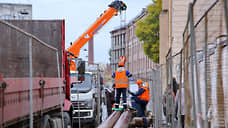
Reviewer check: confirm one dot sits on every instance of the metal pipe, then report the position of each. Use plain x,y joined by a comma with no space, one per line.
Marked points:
167,84
153,94
123,120
171,82
167,72
180,90
99,94
159,99
31,87
138,122
155,99
183,64
79,116
193,42
110,122
192,63
205,71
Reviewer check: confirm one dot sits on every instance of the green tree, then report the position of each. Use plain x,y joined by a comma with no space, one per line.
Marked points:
148,30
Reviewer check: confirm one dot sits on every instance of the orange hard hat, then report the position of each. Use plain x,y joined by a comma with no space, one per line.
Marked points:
123,58
121,63
139,82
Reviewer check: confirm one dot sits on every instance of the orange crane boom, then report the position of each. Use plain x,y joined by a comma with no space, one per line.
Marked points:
114,7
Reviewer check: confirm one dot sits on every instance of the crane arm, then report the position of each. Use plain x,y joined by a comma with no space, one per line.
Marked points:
113,9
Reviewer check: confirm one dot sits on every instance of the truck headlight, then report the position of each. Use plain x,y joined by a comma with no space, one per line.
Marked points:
73,97
89,103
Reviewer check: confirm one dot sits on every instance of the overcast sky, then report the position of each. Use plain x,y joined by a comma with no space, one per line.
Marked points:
79,15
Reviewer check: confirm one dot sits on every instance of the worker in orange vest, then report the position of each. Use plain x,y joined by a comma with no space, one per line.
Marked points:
121,84
141,99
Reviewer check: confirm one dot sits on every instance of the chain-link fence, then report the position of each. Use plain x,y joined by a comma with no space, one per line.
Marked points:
154,78
202,66
30,72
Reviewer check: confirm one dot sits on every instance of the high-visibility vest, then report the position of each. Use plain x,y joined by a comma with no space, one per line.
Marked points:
145,95
121,80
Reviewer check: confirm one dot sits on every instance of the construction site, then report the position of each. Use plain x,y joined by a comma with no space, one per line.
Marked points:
167,67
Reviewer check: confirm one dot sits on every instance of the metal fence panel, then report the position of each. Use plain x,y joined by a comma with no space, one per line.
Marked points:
26,61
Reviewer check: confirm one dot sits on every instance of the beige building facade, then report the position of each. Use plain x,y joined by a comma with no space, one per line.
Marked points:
137,62
172,22
118,44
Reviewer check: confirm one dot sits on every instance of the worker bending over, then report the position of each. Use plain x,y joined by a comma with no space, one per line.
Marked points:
141,99
121,84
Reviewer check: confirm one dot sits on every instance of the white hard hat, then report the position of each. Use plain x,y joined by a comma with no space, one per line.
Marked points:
145,84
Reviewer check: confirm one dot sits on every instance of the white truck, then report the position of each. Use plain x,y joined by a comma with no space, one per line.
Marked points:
83,98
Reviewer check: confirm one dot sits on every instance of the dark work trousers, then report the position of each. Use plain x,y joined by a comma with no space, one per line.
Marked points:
182,120
140,106
118,93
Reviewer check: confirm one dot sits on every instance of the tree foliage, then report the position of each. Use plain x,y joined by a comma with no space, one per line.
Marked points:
148,30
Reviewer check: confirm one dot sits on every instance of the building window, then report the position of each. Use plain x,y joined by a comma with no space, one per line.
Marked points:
6,17
21,17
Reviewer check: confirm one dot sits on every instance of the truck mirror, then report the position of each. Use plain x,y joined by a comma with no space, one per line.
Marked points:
81,70
81,77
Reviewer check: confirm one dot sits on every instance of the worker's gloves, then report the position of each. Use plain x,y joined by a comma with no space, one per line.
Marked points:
113,85
130,75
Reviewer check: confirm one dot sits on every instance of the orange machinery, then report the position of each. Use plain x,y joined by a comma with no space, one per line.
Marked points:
115,7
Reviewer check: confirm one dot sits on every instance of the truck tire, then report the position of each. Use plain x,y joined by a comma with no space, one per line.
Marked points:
67,120
56,122
45,122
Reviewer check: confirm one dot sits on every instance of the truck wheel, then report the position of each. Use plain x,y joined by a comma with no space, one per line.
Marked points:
45,122
56,122
67,120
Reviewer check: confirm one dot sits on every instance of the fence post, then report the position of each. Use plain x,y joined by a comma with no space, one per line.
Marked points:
30,81
171,82
60,90
99,94
193,42
180,91
192,62
167,72
205,71
159,95
152,90
156,99
183,67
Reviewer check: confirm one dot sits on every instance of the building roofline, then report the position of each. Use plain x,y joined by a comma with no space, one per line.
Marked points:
16,4
135,19
118,28
139,16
